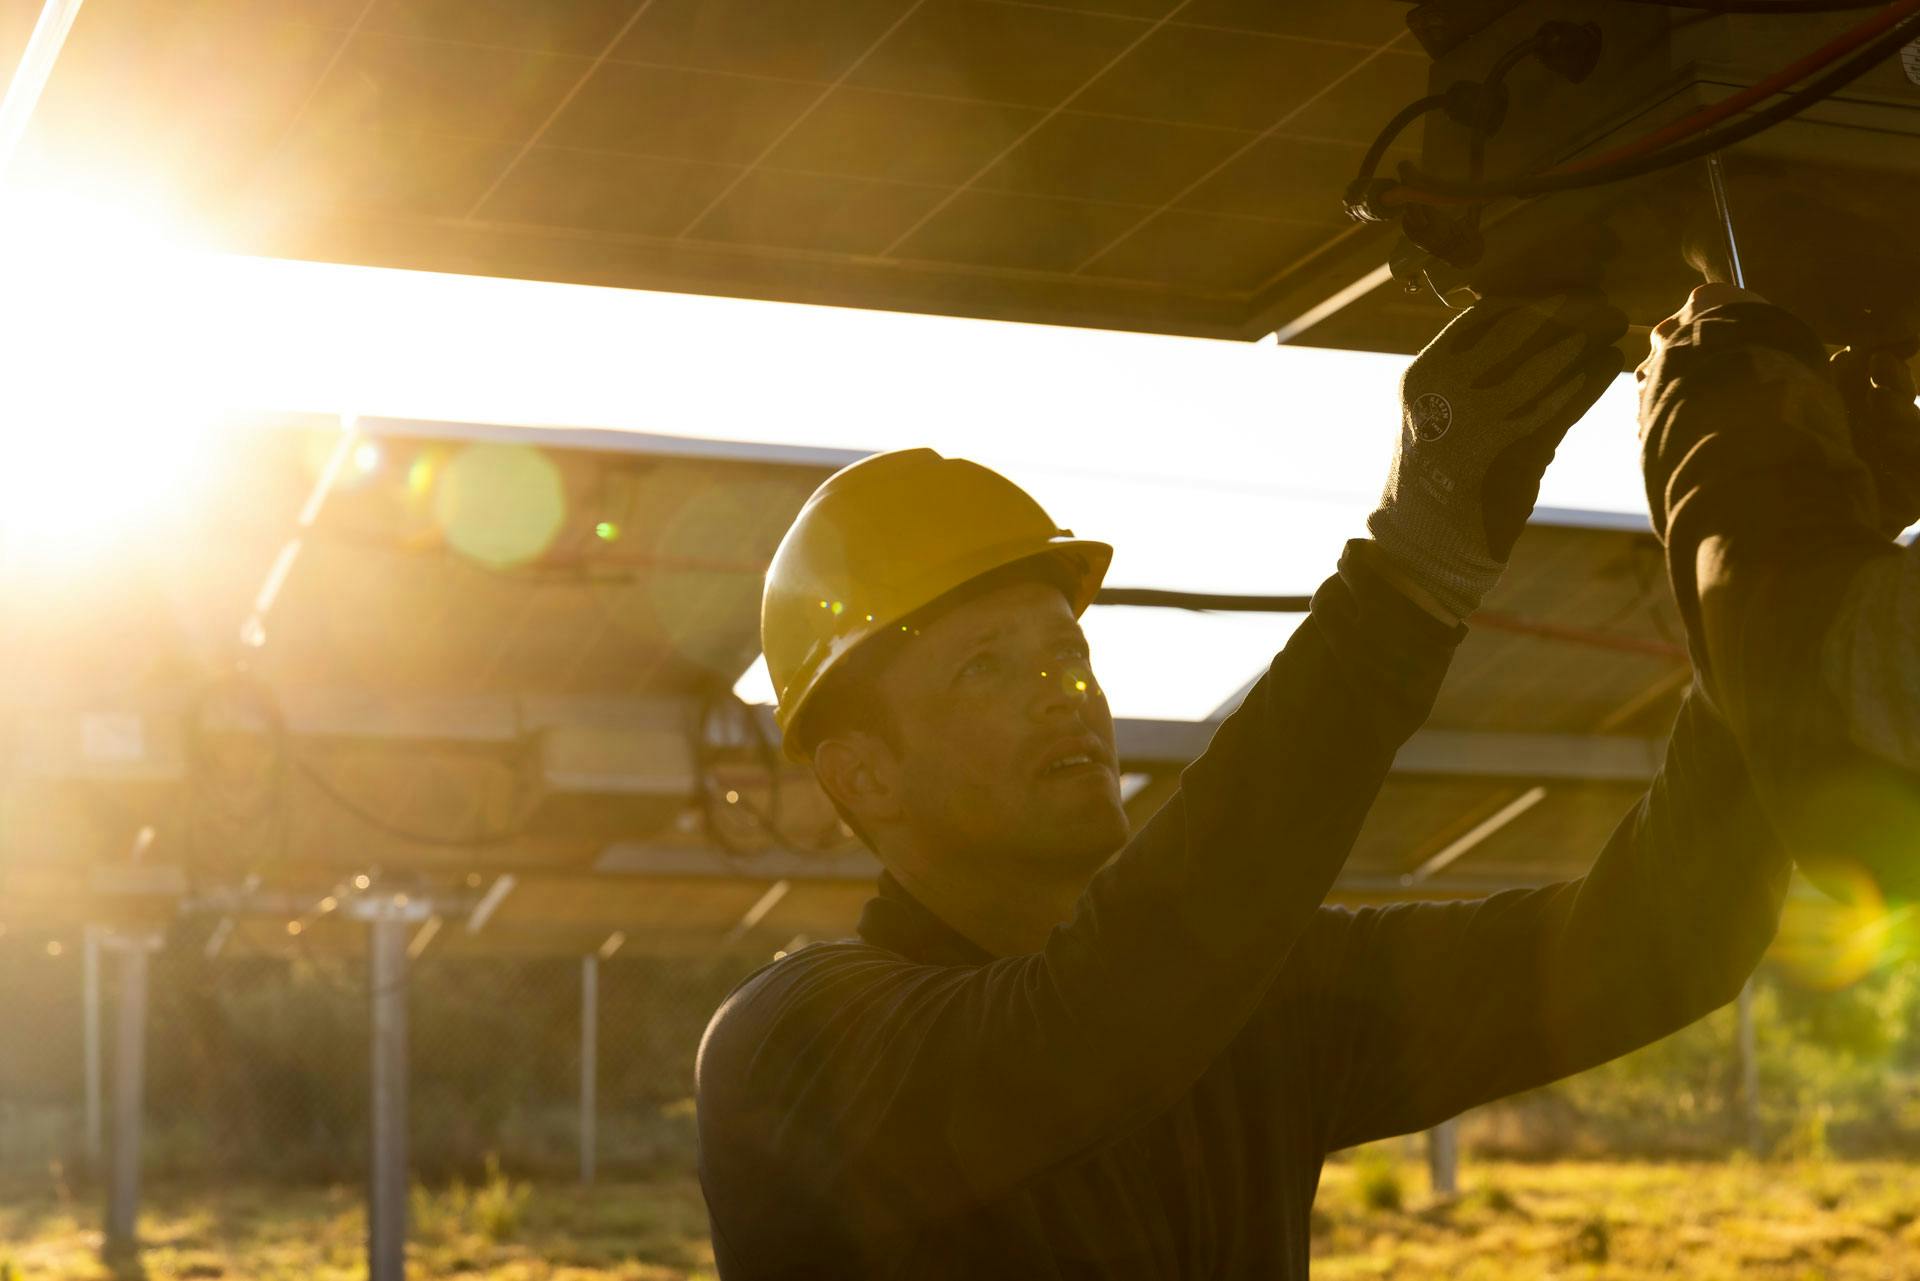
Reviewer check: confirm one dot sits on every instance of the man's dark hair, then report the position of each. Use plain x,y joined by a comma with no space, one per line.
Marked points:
848,699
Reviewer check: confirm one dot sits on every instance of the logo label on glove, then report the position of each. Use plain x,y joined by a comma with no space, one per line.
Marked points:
1430,416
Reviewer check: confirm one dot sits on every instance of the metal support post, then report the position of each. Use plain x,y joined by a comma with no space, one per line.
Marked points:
389,921
129,1068
90,1046
589,1061
1746,1050
1443,1157
387,1177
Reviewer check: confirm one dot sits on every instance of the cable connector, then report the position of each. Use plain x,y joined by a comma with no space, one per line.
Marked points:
1452,239
1362,200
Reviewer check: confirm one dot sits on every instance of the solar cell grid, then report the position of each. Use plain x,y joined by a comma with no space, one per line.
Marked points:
1087,150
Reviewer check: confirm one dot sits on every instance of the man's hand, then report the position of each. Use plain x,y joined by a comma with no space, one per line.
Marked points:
1483,409
1836,255
1885,423
1704,296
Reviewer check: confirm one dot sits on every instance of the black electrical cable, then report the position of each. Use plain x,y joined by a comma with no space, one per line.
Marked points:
1394,128
1492,85
710,790
1224,603
1434,102
771,760
1792,105
1511,58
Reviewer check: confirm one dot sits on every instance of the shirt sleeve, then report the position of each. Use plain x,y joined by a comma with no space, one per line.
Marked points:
925,1089
1871,659
1750,476
1415,1012
1768,522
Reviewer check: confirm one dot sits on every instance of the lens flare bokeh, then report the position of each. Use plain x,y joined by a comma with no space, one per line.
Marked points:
1837,933
501,505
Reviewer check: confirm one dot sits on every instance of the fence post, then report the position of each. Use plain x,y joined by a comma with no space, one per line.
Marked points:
388,918
1747,1056
1443,1157
129,1068
90,1044
589,1061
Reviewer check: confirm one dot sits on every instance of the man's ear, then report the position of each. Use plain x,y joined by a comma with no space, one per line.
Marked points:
858,770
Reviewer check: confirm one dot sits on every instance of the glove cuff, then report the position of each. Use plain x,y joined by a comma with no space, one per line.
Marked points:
1430,554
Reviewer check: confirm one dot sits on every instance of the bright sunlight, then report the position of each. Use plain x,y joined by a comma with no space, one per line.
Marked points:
105,431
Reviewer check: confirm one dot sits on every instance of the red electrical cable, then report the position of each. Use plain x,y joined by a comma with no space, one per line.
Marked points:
1700,121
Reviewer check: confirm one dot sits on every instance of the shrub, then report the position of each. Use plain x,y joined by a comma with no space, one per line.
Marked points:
1498,1200
499,1204
496,1209
1377,1177
437,1216
1594,1241
1807,1141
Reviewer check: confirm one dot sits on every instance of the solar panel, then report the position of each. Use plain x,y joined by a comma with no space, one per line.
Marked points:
1131,163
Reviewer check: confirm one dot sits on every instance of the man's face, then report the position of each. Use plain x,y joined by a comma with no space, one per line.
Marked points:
1005,739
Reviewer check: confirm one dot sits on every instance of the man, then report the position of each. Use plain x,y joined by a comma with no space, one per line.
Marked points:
1778,480
1057,1052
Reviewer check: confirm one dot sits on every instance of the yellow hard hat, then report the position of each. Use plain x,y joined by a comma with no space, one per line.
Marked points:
884,537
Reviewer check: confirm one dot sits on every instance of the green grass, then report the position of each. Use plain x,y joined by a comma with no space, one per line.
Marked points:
500,1231
1618,1221
1809,1220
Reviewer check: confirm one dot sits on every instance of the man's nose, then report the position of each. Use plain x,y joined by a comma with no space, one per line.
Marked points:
1065,685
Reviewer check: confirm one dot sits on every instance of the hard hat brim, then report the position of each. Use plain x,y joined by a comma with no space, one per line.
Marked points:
1082,566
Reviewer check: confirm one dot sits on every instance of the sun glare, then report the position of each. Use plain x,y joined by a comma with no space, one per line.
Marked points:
102,426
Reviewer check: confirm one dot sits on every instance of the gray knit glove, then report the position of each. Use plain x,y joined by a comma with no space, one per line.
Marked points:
1483,408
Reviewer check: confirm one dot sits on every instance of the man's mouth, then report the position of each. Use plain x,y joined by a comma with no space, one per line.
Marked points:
1071,757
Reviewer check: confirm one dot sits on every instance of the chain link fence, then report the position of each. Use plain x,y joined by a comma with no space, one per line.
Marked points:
257,1067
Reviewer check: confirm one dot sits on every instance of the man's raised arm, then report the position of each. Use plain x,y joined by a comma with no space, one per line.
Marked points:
1798,605
1422,1010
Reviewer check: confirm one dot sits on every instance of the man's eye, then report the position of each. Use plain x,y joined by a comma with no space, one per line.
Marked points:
1075,649
979,665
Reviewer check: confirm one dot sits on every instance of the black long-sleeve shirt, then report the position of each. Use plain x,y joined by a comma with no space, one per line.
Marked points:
1153,1093
1791,596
